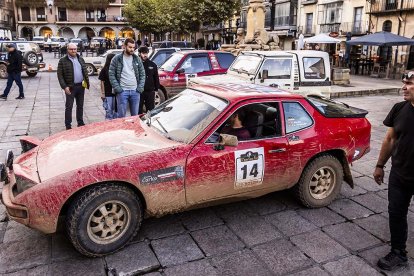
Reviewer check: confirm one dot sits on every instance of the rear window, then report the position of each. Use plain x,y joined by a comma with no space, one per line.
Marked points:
225,60
333,109
314,68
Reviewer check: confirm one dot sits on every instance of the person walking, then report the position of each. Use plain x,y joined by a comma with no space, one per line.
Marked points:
398,144
127,77
152,81
14,71
108,98
73,79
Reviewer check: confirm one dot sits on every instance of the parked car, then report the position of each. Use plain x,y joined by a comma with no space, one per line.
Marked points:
96,42
95,177
77,41
56,42
182,65
39,40
302,72
160,55
93,64
169,44
32,57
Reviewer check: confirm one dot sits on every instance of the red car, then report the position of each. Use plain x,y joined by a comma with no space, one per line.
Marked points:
176,70
105,176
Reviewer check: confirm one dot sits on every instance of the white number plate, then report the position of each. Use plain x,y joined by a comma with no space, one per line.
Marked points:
249,167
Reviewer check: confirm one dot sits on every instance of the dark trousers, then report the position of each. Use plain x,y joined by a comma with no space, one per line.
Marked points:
399,197
17,77
78,94
147,99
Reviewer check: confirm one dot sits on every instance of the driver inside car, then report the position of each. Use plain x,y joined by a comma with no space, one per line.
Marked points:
235,126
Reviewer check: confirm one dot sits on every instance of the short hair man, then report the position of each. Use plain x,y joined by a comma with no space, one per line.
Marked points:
236,127
398,144
14,71
73,79
127,77
152,82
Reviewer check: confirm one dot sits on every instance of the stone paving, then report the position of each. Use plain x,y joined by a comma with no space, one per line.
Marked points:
271,235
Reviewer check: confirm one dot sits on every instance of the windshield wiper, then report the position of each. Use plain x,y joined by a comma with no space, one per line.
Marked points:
163,128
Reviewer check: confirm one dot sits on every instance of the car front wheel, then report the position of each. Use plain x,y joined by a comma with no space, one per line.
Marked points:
159,97
90,69
103,219
320,182
3,71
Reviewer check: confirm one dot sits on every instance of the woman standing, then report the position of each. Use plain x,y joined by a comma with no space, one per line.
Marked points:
108,98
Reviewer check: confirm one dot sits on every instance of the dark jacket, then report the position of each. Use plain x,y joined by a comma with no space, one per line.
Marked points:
15,60
115,71
152,81
65,72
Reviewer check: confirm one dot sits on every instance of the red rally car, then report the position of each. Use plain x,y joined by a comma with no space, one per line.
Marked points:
103,178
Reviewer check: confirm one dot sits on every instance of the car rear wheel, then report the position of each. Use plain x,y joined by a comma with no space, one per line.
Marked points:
320,182
159,97
90,69
31,74
103,219
3,71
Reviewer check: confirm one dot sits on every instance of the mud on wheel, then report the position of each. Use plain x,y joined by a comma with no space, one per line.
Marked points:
320,182
103,219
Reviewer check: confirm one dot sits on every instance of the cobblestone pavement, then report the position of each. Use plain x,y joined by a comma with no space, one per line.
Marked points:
271,235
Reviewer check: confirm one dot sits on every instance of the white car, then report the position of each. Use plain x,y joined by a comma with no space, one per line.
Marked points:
93,64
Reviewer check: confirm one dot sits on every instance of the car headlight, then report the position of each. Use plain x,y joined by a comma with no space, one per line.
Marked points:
22,184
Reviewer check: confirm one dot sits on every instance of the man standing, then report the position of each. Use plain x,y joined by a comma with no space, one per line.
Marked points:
73,79
398,144
14,71
127,77
152,82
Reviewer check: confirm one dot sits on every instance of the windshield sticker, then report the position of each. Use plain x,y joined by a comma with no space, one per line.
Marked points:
218,104
249,168
162,175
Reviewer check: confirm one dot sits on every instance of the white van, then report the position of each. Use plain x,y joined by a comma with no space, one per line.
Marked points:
300,72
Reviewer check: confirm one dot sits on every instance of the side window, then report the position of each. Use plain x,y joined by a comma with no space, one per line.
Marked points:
296,117
314,68
278,68
3,48
161,57
252,122
196,64
225,60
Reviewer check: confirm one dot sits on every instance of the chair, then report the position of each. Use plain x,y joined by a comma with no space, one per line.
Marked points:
254,123
377,70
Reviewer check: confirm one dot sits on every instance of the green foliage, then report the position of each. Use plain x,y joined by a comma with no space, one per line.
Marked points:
31,3
161,16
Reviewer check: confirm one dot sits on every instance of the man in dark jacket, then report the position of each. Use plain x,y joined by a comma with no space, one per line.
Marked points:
152,81
73,79
14,70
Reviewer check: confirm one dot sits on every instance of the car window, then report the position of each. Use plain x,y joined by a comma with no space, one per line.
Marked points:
161,57
22,47
314,68
3,47
224,59
196,64
296,117
246,64
333,109
171,62
280,68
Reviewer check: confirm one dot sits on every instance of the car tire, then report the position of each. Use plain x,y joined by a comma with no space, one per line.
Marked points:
103,219
320,182
3,71
30,58
90,69
159,97
31,74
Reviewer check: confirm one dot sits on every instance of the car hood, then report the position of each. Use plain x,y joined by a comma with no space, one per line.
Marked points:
221,78
97,143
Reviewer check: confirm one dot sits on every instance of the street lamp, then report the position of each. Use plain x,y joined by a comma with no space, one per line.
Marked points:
50,5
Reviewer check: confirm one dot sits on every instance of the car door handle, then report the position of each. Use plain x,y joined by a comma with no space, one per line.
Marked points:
277,150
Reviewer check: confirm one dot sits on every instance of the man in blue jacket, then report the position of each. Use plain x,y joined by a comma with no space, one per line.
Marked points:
127,77
14,70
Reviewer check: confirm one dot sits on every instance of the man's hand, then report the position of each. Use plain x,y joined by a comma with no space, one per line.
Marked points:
379,175
67,91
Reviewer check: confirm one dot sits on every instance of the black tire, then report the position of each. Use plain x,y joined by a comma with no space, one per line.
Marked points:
3,71
159,97
30,58
81,225
90,69
31,74
320,182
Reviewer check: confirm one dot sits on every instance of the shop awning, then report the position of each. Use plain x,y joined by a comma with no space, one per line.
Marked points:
321,38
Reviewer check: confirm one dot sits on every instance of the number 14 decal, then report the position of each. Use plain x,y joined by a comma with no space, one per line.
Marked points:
249,167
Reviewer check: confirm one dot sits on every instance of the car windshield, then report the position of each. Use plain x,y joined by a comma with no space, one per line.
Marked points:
170,63
55,39
185,116
246,64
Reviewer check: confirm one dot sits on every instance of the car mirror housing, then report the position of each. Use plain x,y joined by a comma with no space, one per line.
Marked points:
265,75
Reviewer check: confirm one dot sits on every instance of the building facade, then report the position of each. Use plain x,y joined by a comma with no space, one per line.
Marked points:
7,20
58,18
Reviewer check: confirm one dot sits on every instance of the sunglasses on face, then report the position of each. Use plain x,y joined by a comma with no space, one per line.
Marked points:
407,76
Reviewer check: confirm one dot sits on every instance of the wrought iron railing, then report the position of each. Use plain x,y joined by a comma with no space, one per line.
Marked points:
384,6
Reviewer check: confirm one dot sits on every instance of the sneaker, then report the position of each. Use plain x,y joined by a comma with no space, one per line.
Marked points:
3,97
68,127
20,98
393,259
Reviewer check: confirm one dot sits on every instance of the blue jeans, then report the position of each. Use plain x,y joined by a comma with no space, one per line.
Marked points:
126,97
17,77
109,106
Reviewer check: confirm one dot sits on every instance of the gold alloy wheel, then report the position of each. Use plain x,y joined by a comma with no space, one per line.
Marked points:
108,222
322,183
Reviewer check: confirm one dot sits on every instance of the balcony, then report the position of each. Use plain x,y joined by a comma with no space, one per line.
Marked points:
390,6
355,28
281,22
307,30
97,20
330,28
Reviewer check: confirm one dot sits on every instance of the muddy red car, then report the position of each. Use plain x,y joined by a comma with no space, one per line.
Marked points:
104,178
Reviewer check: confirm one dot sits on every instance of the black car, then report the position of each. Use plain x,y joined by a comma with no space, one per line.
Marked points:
169,44
160,55
32,57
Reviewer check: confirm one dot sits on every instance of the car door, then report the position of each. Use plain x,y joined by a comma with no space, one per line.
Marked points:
194,65
280,72
258,163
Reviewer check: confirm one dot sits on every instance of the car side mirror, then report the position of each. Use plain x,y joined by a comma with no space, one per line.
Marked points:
180,71
265,75
226,140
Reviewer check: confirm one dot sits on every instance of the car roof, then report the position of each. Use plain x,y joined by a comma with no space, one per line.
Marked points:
238,91
187,52
307,53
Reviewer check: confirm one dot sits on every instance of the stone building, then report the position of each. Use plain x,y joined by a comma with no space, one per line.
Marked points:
7,21
71,18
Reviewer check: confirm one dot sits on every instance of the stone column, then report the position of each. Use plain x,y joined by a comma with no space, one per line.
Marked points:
255,18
